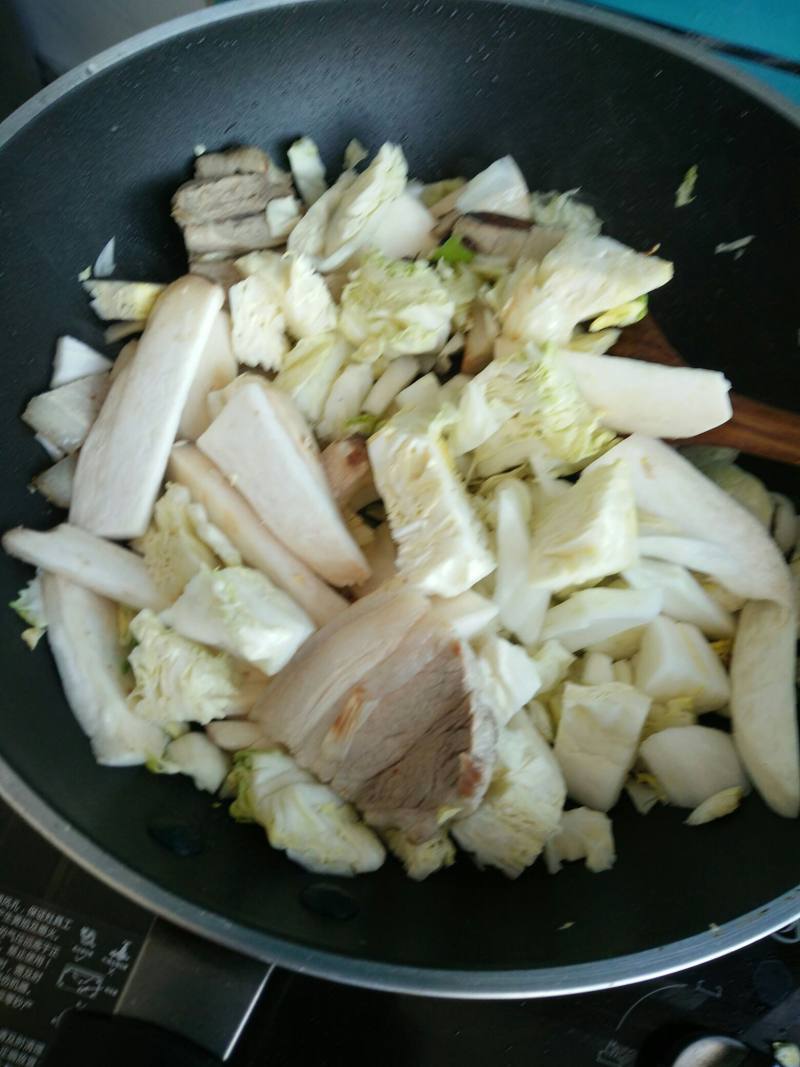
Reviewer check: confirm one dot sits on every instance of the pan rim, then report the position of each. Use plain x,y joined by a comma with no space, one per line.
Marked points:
476,984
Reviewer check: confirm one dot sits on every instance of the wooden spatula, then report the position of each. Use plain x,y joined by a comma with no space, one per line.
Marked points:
756,429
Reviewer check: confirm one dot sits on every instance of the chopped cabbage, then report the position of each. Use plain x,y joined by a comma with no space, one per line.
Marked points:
715,807
181,541
283,214
442,545
177,680
553,662
194,755
539,408
307,305
586,533
423,859
684,194
679,711
583,835
74,360
239,610
597,738
577,280
123,300
500,188
308,236
744,487
685,600
675,660
395,308
308,170
345,400
522,605
452,251
563,211
301,816
258,324
522,807
509,677
623,315
29,605
383,181
309,371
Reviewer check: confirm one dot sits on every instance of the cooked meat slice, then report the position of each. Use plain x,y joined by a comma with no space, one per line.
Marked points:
349,474
220,271
232,236
502,235
213,199
479,341
403,732
244,160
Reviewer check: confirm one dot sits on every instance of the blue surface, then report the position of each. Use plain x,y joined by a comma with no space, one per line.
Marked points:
769,25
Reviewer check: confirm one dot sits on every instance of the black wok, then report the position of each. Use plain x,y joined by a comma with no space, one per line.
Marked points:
581,99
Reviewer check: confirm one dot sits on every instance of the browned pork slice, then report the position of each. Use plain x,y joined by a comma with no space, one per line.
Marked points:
383,704
246,159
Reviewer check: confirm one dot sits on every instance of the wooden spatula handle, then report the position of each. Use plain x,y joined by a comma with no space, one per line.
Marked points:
756,429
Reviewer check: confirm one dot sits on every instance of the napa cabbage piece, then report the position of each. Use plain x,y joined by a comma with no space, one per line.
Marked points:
693,763
181,541
258,324
522,807
309,371
308,170
564,212
528,402
577,280
521,603
308,307
583,835
393,308
509,677
302,817
553,662
587,532
178,680
74,360
744,487
29,605
194,755
716,807
500,188
684,598
123,300
353,216
597,738
442,545
591,616
675,660
240,611
422,859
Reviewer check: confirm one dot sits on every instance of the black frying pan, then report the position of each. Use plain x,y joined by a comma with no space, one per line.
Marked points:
581,99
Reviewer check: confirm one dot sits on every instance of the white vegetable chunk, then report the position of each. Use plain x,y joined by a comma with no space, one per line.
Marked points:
240,611
381,556
82,633
424,859
583,835
123,461
194,755
685,600
74,360
723,803
637,397
306,819
587,532
597,738
308,170
258,325
65,415
598,668
763,704
675,660
234,735
108,569
261,442
217,369
308,307
55,483
500,188
594,615
395,378
402,228
521,604
509,675
522,808
742,556
693,763
345,400
258,546
442,545
123,300
469,614
309,371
